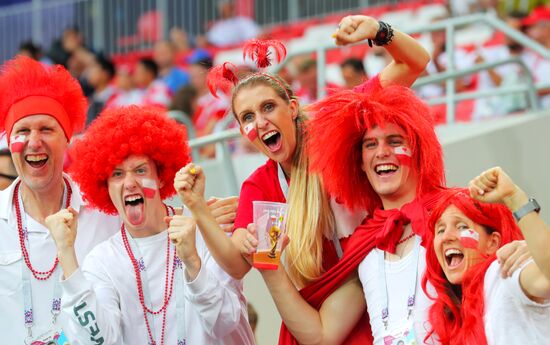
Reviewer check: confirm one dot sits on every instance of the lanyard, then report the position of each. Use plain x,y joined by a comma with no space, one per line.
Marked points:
179,290
412,289
284,187
26,278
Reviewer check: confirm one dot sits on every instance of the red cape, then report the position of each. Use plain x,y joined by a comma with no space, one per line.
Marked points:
360,244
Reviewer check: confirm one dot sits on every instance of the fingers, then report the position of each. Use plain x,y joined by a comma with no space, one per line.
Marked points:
227,227
512,256
251,228
185,177
211,201
167,220
286,241
218,210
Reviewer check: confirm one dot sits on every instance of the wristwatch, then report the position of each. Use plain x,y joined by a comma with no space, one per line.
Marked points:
530,206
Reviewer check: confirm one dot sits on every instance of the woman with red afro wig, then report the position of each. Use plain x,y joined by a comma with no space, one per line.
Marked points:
473,303
123,132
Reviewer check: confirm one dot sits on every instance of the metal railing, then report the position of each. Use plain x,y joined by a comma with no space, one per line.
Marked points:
451,74
122,26
448,76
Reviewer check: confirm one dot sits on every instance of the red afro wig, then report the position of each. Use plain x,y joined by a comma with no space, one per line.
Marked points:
28,87
119,133
335,136
457,313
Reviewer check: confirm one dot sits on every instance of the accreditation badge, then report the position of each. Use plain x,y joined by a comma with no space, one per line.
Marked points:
51,337
403,335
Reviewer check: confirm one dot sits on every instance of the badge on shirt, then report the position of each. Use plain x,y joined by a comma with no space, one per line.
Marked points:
50,337
404,335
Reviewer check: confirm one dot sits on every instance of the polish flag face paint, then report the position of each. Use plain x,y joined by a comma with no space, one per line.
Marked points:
17,142
469,238
149,188
250,131
403,154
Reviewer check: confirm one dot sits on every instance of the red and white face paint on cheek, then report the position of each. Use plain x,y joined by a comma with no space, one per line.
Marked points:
403,155
149,187
469,239
17,142
251,132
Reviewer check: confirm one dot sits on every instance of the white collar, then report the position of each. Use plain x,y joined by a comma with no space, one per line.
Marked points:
6,197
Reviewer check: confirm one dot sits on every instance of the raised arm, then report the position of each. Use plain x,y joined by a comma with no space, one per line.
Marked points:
329,325
189,183
409,57
494,185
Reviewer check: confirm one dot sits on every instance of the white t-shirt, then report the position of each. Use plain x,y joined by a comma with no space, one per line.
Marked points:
510,316
94,227
232,31
215,308
400,275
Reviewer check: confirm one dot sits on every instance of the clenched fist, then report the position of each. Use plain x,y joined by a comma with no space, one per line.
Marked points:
495,186
189,183
62,226
181,230
356,28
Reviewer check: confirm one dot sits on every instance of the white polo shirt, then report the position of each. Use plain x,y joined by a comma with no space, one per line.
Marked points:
93,227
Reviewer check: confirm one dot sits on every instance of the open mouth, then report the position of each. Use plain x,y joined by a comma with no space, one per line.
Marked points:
385,169
453,257
36,160
133,205
272,140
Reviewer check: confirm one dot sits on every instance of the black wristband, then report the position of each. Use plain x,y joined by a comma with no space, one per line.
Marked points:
384,35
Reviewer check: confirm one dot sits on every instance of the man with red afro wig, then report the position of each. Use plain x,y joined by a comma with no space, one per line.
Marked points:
379,152
147,284
40,109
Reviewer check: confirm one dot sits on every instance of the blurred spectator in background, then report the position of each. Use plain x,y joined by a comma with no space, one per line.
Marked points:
7,170
307,79
61,49
185,100
353,72
180,40
439,63
164,56
231,29
126,92
100,75
504,75
153,91
209,109
523,6
538,28
33,51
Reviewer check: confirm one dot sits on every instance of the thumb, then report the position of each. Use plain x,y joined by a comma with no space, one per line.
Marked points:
73,211
168,220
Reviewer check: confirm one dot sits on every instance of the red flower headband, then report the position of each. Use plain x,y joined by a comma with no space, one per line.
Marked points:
223,77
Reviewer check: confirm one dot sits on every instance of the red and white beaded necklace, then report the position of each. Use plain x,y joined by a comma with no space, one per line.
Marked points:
169,281
40,275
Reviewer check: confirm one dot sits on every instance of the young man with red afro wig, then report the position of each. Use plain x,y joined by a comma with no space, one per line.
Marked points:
146,284
41,107
473,302
378,152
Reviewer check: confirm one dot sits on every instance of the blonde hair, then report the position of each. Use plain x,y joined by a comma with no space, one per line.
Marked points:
310,217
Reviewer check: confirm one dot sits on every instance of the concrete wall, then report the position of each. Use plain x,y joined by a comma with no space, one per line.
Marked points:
519,144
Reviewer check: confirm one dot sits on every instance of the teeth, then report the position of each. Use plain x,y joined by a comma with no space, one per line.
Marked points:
36,158
386,167
131,198
453,251
269,135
